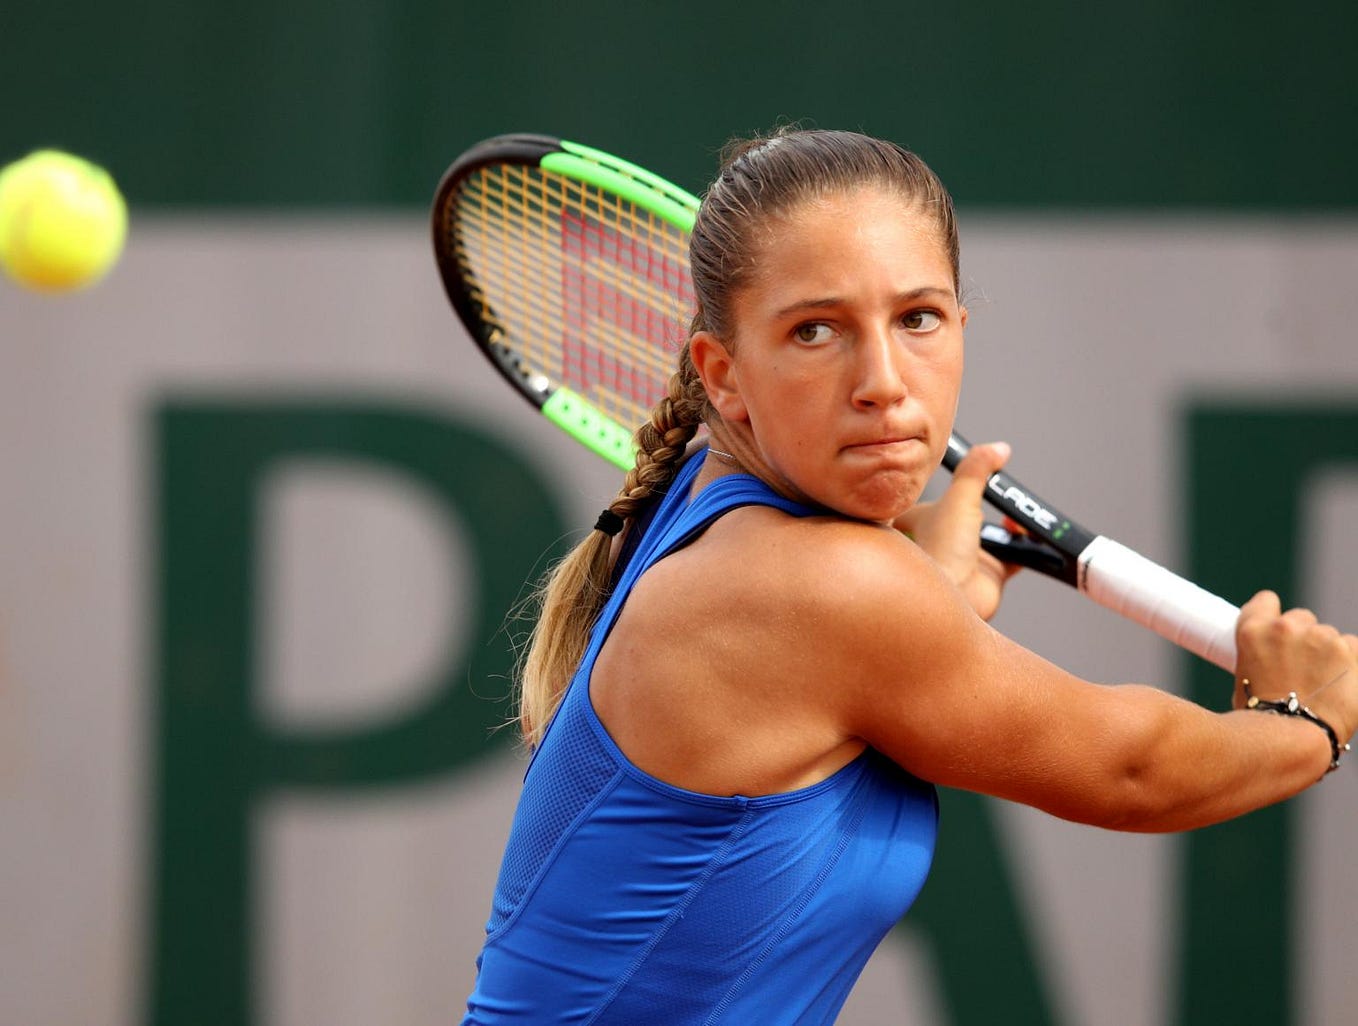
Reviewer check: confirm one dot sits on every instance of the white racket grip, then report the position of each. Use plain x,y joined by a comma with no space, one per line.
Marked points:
1178,610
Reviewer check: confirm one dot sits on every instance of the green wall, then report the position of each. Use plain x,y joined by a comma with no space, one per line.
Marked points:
341,103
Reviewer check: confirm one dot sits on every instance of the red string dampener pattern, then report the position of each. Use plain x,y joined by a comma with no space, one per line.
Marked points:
626,295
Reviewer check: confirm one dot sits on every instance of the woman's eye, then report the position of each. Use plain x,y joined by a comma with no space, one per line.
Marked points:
813,332
921,320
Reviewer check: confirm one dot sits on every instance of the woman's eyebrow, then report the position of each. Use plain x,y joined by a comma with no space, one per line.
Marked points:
826,302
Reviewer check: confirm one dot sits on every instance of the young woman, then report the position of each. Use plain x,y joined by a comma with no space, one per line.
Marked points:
739,706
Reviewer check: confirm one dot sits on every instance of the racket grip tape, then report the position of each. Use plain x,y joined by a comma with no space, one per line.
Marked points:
1178,610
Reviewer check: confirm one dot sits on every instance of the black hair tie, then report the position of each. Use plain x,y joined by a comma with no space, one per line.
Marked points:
609,522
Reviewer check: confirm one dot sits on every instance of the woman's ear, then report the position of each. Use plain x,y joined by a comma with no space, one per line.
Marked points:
712,360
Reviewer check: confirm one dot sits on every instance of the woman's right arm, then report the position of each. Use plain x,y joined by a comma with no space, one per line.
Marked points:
912,670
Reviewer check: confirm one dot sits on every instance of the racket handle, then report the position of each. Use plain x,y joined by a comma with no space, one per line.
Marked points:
1178,610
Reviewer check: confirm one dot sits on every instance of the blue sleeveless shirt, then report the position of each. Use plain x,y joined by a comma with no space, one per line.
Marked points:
625,900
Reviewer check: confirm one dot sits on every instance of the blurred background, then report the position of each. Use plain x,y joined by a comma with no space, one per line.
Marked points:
264,514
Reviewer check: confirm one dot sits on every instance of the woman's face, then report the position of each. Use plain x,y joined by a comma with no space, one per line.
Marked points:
842,376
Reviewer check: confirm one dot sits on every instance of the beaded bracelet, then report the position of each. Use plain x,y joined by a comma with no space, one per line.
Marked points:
1291,706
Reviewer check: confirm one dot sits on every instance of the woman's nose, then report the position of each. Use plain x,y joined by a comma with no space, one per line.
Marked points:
881,371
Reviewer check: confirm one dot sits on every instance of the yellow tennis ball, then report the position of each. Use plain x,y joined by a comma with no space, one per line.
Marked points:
63,221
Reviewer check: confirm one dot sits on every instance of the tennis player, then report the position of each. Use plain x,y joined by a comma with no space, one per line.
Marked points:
746,683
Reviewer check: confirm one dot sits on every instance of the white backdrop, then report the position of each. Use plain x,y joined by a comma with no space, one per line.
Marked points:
1086,338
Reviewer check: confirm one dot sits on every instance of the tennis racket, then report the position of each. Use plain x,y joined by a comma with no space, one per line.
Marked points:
569,269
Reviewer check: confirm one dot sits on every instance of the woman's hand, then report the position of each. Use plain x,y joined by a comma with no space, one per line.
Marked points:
949,530
1292,651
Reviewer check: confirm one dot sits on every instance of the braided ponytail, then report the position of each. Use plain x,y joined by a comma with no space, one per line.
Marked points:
570,597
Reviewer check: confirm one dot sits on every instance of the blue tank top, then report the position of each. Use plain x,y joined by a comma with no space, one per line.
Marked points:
625,900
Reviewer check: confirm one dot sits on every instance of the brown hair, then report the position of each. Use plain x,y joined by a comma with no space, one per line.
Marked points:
760,179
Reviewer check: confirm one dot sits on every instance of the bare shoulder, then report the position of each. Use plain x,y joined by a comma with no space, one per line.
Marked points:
849,581
825,610
725,669
741,699
855,621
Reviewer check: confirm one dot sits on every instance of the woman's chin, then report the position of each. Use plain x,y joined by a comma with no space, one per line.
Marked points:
883,500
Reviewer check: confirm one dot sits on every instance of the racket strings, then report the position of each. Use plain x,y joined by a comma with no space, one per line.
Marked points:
529,314
604,288
584,287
